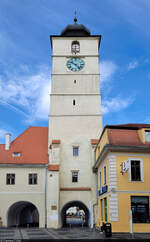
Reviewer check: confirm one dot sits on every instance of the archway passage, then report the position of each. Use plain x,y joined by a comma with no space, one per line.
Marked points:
75,213
23,214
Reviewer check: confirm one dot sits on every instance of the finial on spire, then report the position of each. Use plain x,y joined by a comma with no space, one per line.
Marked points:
75,18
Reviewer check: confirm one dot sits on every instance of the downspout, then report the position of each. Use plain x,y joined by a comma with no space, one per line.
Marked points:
96,204
46,197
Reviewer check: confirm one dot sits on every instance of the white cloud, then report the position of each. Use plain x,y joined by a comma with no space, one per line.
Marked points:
27,95
116,104
2,133
107,70
133,64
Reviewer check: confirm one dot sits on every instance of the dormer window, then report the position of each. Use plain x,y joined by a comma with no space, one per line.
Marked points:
75,47
16,154
147,135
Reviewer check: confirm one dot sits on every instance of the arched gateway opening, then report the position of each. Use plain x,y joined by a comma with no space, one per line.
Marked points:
74,213
23,214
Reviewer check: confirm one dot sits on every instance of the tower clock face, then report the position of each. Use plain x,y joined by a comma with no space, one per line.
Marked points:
75,64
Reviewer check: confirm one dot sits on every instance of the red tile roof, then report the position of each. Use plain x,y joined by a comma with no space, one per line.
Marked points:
94,141
56,141
53,167
124,137
32,144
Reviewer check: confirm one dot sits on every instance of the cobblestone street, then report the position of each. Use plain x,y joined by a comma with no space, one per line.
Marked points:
66,234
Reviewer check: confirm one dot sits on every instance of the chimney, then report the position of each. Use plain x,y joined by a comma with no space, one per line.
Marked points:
7,141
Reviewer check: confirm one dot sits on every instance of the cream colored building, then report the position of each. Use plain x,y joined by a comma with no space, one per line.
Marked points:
64,166
75,121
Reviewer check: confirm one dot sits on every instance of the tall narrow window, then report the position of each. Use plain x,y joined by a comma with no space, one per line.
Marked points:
32,179
74,102
102,209
75,151
100,179
105,205
10,179
75,176
135,170
104,175
75,47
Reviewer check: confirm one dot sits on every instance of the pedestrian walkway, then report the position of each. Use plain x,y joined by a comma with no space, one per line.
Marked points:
67,234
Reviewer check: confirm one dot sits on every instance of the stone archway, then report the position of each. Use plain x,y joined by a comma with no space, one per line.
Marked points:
78,204
23,214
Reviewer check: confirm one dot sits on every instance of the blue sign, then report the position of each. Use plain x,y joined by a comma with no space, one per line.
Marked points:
102,190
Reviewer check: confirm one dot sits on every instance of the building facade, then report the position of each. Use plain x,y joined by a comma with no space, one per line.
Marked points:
45,171
122,168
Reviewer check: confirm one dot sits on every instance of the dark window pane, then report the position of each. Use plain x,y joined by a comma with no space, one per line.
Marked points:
135,170
75,151
140,209
74,176
32,179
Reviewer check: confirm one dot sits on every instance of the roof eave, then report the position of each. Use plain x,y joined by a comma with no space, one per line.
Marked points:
115,148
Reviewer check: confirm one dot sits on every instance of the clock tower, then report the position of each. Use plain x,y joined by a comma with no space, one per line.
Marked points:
75,124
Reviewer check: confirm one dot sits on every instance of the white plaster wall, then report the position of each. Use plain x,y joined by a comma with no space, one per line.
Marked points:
84,84
52,199
84,105
21,191
73,127
62,45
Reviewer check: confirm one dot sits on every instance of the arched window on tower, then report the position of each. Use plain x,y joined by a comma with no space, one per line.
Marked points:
75,47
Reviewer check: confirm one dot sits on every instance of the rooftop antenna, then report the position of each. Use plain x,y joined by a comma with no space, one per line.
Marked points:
75,18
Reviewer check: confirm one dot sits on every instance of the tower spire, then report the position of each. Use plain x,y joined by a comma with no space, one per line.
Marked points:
75,18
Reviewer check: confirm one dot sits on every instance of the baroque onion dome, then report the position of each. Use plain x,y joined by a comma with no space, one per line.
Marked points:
75,30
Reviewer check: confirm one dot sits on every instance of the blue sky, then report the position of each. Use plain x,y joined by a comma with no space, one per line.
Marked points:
25,63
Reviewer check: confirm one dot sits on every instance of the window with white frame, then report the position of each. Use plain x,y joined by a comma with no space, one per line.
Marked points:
75,47
136,170
147,135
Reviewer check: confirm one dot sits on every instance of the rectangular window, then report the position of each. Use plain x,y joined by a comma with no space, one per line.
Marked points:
10,179
105,206
135,170
101,209
104,175
32,179
147,135
74,176
75,151
100,179
140,209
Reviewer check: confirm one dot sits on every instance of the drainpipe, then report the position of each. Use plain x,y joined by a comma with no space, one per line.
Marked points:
130,222
46,197
96,204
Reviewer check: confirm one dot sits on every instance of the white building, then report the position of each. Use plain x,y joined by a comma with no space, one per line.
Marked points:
64,170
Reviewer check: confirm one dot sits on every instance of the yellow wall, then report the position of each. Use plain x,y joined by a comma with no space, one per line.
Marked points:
100,169
125,189
141,133
123,182
103,141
